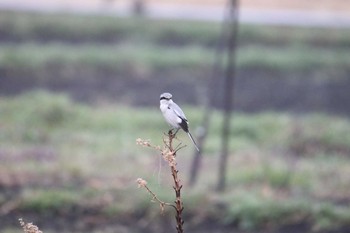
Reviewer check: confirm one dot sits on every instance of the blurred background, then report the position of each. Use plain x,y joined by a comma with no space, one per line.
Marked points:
80,81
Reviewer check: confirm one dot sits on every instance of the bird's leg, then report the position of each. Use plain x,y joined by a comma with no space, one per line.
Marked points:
176,132
171,132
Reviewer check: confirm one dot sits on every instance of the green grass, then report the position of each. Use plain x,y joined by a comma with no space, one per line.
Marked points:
68,157
289,58
21,26
37,57
113,57
38,41
41,201
41,27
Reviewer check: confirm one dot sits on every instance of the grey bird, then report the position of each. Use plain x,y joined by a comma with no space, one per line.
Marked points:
174,115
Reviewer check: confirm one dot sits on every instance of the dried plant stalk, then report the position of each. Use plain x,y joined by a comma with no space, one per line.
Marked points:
177,186
169,155
29,227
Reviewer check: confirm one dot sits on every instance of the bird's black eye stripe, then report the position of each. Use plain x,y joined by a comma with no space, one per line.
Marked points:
163,98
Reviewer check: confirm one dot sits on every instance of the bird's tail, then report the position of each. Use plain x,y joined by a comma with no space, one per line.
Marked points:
194,143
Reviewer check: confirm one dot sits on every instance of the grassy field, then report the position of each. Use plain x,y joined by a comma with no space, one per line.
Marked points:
93,58
56,39
72,167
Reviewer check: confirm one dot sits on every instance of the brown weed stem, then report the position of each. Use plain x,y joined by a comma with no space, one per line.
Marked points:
177,186
169,155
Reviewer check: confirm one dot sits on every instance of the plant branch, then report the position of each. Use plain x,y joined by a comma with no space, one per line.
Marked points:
142,183
169,155
177,185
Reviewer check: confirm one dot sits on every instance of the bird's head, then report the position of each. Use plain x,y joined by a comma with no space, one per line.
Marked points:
165,96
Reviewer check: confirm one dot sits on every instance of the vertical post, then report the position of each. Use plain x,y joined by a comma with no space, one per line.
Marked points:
138,7
228,95
212,93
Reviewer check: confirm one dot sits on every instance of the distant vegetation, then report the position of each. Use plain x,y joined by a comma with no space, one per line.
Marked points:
95,57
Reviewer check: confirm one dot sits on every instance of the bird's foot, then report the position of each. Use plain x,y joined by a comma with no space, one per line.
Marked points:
171,132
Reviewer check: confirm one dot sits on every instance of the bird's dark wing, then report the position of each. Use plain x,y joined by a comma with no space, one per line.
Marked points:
182,118
184,125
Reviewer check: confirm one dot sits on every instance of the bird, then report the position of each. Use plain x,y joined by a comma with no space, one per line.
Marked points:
174,115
